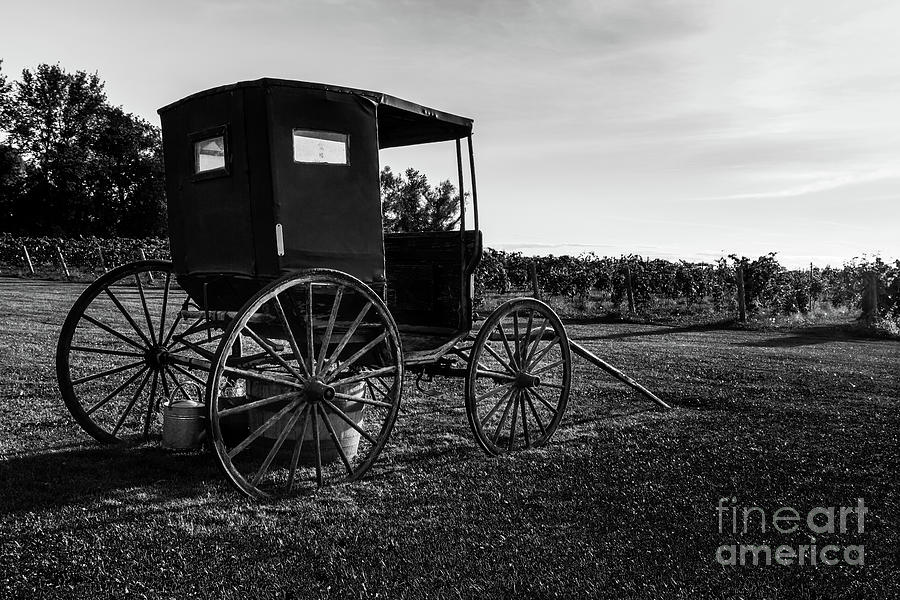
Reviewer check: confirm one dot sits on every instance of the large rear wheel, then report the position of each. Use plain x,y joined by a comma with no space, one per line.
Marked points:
114,357
322,369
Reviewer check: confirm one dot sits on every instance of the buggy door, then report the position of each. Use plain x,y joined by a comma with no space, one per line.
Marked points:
324,156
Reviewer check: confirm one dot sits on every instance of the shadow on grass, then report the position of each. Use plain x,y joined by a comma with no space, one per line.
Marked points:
701,327
67,475
810,336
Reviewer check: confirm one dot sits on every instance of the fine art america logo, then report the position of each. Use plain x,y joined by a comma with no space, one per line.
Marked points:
786,520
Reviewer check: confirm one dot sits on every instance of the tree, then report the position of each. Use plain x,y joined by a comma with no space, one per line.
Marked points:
89,167
12,183
408,203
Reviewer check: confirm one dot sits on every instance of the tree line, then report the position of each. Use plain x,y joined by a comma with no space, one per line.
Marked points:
71,163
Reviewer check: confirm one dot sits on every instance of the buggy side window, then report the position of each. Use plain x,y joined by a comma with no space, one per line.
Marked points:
321,147
209,154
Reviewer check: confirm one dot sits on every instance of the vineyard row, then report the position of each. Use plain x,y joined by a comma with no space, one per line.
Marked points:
632,281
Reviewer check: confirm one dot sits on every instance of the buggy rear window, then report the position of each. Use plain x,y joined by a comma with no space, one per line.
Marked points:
321,147
209,155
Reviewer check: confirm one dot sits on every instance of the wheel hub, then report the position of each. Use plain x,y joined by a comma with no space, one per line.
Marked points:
317,391
524,380
156,357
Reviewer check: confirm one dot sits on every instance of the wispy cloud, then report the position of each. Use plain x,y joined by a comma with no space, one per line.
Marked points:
822,185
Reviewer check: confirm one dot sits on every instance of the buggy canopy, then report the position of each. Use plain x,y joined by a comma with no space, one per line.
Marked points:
400,122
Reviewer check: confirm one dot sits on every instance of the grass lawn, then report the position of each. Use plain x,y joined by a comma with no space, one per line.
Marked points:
621,504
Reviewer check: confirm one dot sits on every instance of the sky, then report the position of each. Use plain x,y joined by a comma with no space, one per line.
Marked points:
669,129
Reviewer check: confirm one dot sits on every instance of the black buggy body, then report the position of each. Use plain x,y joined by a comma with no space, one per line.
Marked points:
287,312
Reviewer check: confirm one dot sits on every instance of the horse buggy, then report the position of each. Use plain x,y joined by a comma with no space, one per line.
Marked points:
282,330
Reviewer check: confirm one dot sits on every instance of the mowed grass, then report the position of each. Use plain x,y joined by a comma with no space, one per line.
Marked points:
621,504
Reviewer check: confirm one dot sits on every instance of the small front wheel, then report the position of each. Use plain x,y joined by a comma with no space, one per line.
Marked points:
518,378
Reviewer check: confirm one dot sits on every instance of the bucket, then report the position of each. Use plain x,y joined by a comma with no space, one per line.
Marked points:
184,424
347,437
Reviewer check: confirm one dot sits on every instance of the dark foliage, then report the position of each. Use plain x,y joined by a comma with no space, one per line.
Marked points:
409,203
74,164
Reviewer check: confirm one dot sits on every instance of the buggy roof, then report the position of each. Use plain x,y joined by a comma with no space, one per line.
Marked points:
400,122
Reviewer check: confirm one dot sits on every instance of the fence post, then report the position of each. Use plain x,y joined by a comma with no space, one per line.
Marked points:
535,287
742,300
102,262
28,259
62,260
144,257
629,291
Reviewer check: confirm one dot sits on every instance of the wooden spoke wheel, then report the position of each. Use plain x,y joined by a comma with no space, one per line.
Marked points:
322,369
518,378
118,353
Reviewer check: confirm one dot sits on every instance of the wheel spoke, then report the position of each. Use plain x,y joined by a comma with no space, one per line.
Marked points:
361,400
279,442
522,345
131,404
546,368
347,336
165,386
502,421
116,391
516,338
537,342
310,332
366,375
278,358
337,444
359,354
119,369
496,407
109,329
178,318
379,383
315,408
540,356
295,457
263,428
259,376
290,334
140,286
524,420
326,340
348,421
512,428
105,351
555,386
149,414
127,316
493,391
186,344
534,413
189,375
540,397
258,403
177,384
165,304
502,361
509,353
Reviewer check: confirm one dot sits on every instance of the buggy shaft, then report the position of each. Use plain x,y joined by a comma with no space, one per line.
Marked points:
593,358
